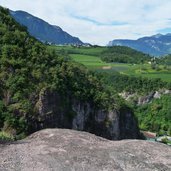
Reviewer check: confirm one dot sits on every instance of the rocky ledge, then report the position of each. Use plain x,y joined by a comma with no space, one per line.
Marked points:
65,150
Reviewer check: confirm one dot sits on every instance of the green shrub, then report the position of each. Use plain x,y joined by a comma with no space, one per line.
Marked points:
6,137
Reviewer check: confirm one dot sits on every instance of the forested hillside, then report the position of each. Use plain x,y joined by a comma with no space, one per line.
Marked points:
124,54
165,60
41,88
27,68
156,116
120,83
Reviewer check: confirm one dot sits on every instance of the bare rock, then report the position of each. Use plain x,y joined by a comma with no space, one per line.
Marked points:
112,124
141,100
69,150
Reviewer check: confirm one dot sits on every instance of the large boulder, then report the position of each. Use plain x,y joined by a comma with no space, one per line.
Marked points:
69,150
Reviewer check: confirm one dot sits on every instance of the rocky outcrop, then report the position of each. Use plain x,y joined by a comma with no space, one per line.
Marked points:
140,100
69,150
56,111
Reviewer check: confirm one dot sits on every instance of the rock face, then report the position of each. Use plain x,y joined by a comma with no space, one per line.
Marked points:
52,112
141,100
68,150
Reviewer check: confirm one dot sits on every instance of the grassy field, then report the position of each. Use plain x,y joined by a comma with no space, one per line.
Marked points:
89,61
93,51
90,57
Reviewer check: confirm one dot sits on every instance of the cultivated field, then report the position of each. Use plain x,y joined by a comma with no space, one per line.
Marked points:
90,57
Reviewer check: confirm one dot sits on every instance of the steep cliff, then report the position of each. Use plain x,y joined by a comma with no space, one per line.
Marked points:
53,111
145,99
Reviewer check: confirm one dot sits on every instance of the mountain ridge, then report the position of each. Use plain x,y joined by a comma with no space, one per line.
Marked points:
155,45
42,30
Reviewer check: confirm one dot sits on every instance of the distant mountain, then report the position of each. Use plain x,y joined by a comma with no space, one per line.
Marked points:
42,30
156,45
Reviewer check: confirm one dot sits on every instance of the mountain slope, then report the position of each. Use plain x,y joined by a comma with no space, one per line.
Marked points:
157,45
40,88
42,30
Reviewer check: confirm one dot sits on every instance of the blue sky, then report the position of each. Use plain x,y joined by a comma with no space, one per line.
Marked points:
99,21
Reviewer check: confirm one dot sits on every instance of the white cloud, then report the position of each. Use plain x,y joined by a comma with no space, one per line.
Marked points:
137,18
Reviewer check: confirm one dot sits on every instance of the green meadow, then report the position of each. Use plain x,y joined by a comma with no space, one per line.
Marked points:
89,61
90,57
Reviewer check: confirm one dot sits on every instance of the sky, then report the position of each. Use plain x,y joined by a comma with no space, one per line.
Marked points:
100,21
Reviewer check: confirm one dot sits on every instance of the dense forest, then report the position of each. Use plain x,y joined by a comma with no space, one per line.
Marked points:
166,60
132,84
156,116
123,54
28,68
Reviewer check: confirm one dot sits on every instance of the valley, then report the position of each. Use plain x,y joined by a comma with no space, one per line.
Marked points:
42,88
140,80
92,75
70,105
91,58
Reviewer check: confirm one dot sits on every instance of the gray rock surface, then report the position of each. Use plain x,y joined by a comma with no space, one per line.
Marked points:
69,150
141,100
83,116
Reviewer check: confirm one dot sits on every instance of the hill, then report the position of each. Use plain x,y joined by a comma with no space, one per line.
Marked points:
40,88
44,31
157,45
166,60
108,59
122,54
61,149
138,81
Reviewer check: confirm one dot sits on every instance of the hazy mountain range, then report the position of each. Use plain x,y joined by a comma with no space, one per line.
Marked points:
44,31
156,45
